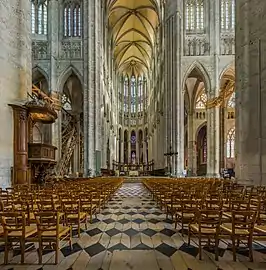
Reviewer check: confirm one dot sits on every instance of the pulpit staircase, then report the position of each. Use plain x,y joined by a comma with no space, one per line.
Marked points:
69,141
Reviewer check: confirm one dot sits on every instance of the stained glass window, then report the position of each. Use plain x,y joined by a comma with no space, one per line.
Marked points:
201,100
72,19
194,12
227,14
33,18
39,17
133,95
231,101
230,145
134,89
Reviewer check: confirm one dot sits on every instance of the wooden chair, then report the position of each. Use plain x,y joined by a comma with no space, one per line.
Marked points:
241,229
73,214
86,205
16,230
187,214
51,231
206,226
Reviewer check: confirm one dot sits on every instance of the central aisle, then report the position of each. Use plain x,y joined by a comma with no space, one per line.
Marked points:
131,232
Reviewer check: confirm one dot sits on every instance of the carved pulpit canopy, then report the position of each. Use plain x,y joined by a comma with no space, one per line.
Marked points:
41,107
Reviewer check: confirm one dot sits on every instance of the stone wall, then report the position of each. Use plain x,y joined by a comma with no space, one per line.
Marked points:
15,69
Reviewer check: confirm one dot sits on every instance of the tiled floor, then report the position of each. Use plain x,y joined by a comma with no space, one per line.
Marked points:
132,233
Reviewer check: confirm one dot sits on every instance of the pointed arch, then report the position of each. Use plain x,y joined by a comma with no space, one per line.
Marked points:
199,71
40,79
37,69
71,70
199,128
196,65
229,68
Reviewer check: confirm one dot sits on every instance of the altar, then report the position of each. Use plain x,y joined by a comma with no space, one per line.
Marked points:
133,170
133,173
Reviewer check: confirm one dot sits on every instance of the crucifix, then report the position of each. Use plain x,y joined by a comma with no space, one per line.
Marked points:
169,155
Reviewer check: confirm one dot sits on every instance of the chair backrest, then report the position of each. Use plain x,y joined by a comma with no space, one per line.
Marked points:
13,222
243,220
209,219
48,221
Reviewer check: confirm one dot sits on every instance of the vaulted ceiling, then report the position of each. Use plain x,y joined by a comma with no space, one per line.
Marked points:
133,24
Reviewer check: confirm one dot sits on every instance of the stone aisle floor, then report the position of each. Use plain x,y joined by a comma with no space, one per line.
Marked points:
132,233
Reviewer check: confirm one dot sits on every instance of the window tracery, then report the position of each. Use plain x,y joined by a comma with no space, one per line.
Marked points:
194,12
66,103
134,94
231,101
227,14
39,17
72,19
230,145
201,101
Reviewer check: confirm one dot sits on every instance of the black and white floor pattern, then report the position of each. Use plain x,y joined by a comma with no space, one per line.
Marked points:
131,223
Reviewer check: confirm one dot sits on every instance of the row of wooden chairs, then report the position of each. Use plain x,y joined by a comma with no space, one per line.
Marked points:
213,209
47,215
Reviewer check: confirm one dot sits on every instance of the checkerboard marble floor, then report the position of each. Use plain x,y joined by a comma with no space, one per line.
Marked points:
131,232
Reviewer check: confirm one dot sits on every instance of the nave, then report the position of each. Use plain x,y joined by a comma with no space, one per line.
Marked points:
131,232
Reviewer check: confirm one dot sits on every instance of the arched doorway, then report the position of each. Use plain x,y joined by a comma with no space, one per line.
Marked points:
195,86
202,151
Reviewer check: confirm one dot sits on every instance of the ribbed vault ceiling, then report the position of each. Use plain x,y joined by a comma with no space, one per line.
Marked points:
133,24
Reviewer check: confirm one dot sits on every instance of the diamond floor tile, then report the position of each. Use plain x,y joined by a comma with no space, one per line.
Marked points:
131,232
113,232
94,249
94,231
166,249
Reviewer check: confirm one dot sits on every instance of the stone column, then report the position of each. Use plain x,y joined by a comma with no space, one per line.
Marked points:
15,67
151,147
174,20
137,146
162,135
129,148
192,152
250,92
86,85
98,86
213,114
53,21
144,149
168,99
91,85
122,146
